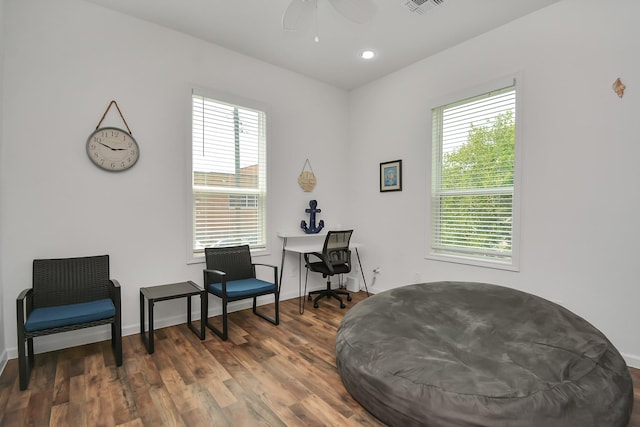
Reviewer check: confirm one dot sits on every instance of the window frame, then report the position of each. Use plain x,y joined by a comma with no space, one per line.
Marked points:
512,263
194,256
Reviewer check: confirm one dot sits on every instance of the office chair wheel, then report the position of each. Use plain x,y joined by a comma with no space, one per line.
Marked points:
315,304
349,298
342,305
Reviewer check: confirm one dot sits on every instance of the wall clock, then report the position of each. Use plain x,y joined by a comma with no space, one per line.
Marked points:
113,149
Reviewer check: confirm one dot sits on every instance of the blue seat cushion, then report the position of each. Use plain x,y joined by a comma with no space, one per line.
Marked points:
242,288
71,314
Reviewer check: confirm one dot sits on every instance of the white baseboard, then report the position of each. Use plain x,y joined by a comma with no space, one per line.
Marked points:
632,360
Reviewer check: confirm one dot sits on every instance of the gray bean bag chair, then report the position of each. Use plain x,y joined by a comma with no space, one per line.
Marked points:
471,354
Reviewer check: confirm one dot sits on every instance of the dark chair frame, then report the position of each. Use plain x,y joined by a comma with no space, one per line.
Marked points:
226,264
66,281
334,259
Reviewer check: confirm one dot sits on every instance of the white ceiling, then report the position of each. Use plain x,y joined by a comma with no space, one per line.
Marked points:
398,36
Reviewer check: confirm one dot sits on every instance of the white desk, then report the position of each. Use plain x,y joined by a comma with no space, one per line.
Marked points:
302,243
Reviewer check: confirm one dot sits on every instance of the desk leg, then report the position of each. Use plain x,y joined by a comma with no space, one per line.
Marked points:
362,271
301,297
284,245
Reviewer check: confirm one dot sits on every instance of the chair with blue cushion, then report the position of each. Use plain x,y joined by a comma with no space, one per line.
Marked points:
231,276
67,294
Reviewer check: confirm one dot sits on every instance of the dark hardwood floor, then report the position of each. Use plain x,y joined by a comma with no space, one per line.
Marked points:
263,375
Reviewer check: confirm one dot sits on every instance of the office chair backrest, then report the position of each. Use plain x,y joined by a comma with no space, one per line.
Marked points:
336,246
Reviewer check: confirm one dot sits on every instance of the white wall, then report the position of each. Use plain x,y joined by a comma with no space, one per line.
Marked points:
579,147
580,151
64,62
3,346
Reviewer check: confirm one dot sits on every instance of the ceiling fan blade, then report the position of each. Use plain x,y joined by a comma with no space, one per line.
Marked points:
359,11
299,15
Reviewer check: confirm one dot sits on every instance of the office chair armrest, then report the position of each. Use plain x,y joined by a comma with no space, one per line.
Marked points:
316,254
321,257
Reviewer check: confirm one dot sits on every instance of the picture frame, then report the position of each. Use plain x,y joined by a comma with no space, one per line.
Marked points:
391,176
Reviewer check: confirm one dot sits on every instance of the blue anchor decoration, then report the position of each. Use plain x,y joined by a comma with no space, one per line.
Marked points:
312,229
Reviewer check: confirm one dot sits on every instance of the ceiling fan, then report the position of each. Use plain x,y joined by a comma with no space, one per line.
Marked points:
300,13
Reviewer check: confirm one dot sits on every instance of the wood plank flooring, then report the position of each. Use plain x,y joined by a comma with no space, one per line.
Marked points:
263,375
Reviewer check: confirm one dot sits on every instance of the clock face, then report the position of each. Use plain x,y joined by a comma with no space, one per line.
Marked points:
112,149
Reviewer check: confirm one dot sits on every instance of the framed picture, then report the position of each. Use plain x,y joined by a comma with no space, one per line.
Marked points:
391,176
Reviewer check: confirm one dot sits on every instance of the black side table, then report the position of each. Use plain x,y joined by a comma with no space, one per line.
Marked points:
167,292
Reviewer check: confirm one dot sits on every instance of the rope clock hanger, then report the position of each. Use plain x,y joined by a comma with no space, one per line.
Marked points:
307,180
111,148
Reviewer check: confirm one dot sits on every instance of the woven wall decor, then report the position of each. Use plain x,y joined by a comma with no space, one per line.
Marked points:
618,87
307,180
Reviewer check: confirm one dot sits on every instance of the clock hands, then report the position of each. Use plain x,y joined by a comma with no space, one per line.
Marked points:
111,148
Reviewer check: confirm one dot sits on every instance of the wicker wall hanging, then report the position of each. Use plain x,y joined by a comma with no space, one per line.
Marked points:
618,87
307,179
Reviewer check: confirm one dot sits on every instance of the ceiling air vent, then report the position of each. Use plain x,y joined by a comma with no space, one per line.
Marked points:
421,6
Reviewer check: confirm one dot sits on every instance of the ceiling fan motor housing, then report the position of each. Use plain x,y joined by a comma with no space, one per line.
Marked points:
421,6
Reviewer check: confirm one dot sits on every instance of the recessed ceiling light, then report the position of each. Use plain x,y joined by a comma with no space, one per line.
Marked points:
367,54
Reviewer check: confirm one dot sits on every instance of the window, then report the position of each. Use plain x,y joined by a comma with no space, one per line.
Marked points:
473,188
229,174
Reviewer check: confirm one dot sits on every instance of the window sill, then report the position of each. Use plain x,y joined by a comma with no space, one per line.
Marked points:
195,259
459,259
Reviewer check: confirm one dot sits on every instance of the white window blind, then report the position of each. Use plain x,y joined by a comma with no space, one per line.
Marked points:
228,174
473,177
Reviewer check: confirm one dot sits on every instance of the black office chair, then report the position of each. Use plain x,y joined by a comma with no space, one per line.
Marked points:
334,259
231,276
